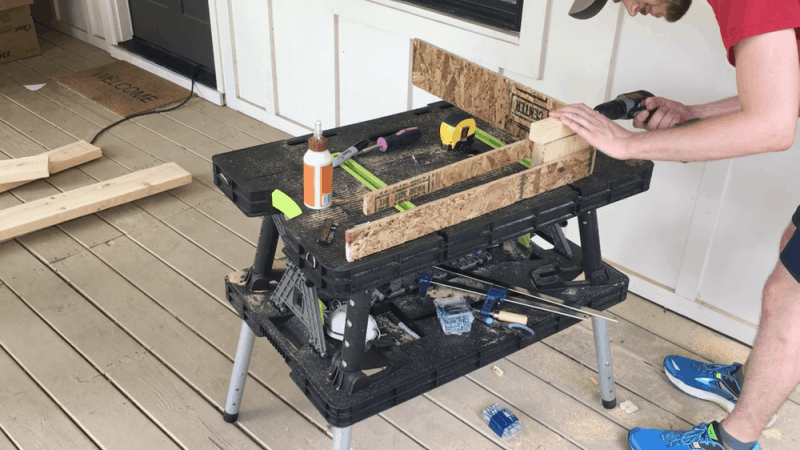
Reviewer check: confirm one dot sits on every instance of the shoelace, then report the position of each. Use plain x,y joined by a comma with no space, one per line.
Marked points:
697,435
725,373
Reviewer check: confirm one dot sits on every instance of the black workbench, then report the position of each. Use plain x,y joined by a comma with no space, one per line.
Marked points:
383,284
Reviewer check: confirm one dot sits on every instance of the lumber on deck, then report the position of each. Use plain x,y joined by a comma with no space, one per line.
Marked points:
23,170
38,214
61,159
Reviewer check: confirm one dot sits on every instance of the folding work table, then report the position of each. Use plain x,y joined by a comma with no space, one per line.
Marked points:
350,380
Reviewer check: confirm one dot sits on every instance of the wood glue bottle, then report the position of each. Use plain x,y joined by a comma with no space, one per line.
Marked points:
317,171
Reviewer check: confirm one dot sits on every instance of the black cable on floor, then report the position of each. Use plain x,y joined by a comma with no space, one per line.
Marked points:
152,111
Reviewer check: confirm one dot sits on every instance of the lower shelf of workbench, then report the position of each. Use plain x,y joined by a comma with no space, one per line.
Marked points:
401,367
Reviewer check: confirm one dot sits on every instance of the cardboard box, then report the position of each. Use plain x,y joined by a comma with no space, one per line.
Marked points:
17,34
8,4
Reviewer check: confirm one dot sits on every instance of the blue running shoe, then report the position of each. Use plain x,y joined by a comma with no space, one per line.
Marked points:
712,382
703,436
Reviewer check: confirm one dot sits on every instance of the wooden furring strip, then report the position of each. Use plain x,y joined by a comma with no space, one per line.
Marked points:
63,158
443,177
488,95
45,212
23,170
431,217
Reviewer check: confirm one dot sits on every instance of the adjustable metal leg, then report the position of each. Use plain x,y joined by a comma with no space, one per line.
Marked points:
341,438
239,375
604,369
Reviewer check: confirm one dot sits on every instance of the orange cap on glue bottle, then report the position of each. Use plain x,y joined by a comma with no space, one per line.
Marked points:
318,171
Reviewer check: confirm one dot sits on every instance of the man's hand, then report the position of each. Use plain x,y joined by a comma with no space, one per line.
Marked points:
667,114
600,131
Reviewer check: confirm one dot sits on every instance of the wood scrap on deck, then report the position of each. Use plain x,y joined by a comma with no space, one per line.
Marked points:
488,95
24,169
61,159
45,212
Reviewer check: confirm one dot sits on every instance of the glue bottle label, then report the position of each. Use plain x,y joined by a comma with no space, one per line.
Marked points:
317,186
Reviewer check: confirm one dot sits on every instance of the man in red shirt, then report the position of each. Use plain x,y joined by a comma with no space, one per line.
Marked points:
762,41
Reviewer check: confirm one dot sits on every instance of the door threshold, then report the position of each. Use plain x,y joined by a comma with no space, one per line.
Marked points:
203,91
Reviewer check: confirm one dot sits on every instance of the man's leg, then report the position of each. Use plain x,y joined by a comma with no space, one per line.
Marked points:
773,369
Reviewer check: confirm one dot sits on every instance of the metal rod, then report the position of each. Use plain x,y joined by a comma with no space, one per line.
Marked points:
516,302
527,293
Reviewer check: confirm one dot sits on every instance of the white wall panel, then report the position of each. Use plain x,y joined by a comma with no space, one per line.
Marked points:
96,19
305,61
374,72
762,194
252,53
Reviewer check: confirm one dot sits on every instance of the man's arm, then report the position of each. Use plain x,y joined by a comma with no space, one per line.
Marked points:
768,80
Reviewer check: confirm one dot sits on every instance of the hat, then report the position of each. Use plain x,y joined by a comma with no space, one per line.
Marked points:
586,9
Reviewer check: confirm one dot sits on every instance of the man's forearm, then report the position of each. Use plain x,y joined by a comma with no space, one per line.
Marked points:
727,136
718,108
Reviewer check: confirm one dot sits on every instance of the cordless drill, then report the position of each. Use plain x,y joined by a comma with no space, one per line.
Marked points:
625,106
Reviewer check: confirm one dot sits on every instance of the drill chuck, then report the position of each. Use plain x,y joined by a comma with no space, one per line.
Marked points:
625,106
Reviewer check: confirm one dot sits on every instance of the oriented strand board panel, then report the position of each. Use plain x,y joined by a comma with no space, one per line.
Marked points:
449,175
63,158
436,215
479,91
33,216
24,169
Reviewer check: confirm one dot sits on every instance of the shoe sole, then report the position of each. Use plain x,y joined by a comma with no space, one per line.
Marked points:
724,403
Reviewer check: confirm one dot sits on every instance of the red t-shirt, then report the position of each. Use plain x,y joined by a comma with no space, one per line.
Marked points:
740,19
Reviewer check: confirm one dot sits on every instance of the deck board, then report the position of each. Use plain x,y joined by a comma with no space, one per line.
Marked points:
103,411
28,414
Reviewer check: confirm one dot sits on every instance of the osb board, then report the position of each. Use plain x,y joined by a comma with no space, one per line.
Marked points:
443,177
479,91
459,207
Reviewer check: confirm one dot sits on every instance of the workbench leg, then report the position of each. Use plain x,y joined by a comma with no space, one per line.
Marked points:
604,369
239,375
341,438
258,275
590,245
348,374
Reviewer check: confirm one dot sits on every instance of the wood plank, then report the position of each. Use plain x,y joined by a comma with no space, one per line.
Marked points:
545,153
23,170
574,379
43,213
94,403
467,398
219,131
63,158
148,382
234,118
416,222
422,417
548,130
490,96
5,442
28,414
559,412
443,177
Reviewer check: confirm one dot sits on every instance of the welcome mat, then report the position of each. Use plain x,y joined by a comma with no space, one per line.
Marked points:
124,88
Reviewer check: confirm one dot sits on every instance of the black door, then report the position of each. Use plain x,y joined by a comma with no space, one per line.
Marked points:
181,27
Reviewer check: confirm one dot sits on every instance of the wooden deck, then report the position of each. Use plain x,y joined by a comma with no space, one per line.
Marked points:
115,332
